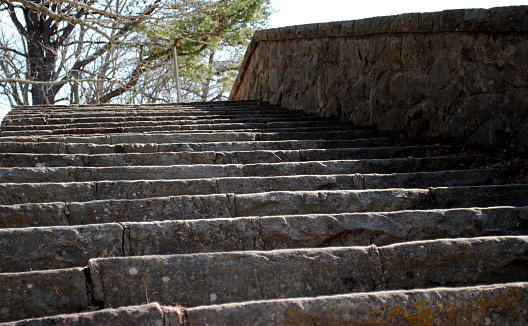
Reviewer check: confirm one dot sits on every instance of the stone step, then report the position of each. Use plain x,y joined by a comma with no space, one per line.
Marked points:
243,106
272,127
227,277
141,117
42,248
383,166
163,121
146,314
201,136
210,157
20,193
43,293
215,278
500,304
82,148
24,118
258,204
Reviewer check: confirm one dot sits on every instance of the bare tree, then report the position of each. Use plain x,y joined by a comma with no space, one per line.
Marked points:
114,50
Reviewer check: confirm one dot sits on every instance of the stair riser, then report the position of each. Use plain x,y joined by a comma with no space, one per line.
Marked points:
165,121
486,305
209,157
200,136
174,128
202,279
11,193
37,294
64,148
72,246
258,204
234,123
83,174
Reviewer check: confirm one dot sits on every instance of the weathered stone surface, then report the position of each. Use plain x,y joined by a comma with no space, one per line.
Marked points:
192,280
42,248
304,202
201,279
42,293
159,188
504,304
149,315
261,204
433,263
455,73
304,231
19,193
83,174
514,195
209,157
183,237
27,215
151,209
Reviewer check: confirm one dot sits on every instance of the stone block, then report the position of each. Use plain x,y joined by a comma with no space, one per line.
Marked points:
503,304
151,314
27,249
203,279
481,196
42,293
457,262
183,237
19,193
28,215
509,19
151,209
339,201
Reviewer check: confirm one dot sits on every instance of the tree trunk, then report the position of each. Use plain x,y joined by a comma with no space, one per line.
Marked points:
42,55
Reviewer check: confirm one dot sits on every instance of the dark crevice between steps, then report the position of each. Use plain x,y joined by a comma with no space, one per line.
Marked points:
92,303
125,239
377,271
66,219
432,196
231,197
184,314
257,234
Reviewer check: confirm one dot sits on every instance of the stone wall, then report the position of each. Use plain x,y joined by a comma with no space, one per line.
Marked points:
456,73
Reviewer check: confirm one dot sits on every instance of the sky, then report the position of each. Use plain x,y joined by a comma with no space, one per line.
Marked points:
296,12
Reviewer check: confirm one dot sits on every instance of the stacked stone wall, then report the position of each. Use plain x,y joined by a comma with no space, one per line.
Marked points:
456,73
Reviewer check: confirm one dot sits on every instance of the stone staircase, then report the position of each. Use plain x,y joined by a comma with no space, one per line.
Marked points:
239,213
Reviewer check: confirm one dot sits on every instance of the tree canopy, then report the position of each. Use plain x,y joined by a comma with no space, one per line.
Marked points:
85,51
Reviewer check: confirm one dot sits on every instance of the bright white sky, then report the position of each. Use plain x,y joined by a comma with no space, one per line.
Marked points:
296,12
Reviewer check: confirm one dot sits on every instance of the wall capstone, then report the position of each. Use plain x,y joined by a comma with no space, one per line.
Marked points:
455,73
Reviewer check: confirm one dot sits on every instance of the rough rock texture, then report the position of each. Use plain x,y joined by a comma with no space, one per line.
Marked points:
201,279
484,305
43,293
456,73
147,315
